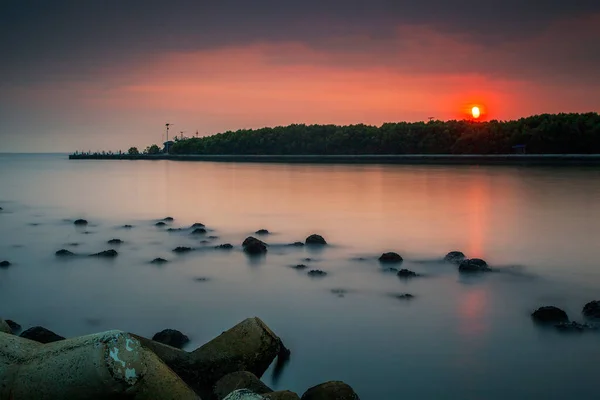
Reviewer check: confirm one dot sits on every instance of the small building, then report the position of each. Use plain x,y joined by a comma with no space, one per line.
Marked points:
520,148
167,145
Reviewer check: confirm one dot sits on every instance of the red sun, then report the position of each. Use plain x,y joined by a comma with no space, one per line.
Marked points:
475,111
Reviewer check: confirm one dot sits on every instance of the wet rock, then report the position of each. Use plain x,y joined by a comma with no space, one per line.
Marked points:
252,245
243,394
296,244
407,273
64,253
198,231
159,260
390,257
213,237
339,292
171,337
182,249
1,209
315,240
80,222
5,264
281,395
550,314
15,328
168,219
4,327
197,225
160,223
115,241
225,246
299,266
390,269
262,232
41,335
201,279
592,309
317,273
106,254
403,296
473,265
574,327
127,226
333,390
455,257
174,230
239,380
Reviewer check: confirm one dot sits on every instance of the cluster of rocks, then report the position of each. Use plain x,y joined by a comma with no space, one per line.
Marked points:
554,316
116,364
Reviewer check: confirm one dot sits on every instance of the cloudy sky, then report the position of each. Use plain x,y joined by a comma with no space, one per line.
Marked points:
104,75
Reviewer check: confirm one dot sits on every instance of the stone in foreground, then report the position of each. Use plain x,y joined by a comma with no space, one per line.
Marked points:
171,337
80,222
243,394
41,335
406,273
64,253
106,254
315,239
333,390
239,380
473,265
14,327
4,327
5,264
390,257
281,395
550,314
592,309
254,246
455,257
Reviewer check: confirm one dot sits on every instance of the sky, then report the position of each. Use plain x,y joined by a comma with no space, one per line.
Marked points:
107,75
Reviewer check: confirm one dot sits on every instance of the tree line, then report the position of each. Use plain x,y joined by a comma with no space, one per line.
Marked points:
541,134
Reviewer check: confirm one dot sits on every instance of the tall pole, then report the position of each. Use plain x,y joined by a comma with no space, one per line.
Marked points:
167,142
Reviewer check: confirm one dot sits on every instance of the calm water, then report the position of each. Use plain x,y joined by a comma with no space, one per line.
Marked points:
460,337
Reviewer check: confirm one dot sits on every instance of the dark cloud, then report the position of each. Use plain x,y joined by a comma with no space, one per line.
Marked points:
60,39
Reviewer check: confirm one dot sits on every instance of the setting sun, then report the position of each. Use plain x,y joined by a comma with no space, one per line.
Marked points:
475,112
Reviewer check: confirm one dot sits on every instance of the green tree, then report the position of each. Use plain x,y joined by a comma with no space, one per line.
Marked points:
133,151
153,149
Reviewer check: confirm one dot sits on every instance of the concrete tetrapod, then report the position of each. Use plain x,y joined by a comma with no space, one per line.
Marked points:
107,365
248,346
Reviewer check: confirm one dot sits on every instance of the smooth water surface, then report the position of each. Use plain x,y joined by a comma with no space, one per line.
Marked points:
458,338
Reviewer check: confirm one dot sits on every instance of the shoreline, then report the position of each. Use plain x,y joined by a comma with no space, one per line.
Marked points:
462,159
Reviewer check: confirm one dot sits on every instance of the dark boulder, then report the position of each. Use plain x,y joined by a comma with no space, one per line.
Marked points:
406,273
254,246
168,219
403,296
159,261
201,279
550,314
199,231
106,254
262,232
115,241
239,380
14,327
41,335
334,390
473,265
160,223
127,226
281,395
213,237
5,264
455,257
299,266
574,327
64,253
181,249
315,240
174,230
197,225
171,337
592,309
390,257
224,246
80,222
316,273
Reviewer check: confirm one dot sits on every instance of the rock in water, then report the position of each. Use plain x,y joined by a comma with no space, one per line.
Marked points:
406,273
296,244
253,246
225,246
4,264
315,239
550,314
334,390
199,231
391,257
40,334
16,328
262,232
171,337
592,309
64,253
299,266
182,249
455,257
473,265
317,273
127,226
573,327
4,327
243,394
159,261
115,241
281,395
239,380
80,222
197,225
168,219
160,223
106,254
